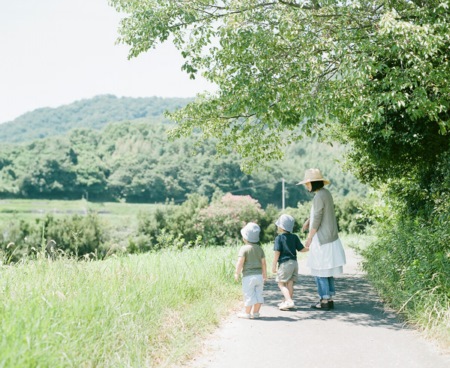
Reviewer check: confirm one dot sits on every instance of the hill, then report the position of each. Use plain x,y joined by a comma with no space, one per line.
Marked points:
94,113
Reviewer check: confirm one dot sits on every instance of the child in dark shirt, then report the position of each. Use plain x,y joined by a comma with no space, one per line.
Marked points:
285,256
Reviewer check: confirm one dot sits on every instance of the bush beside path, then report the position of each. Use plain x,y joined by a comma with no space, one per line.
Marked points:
359,332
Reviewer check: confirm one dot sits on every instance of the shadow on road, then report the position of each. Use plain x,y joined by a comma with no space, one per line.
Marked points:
355,303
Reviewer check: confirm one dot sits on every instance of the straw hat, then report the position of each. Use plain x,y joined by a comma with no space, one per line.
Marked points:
250,232
313,175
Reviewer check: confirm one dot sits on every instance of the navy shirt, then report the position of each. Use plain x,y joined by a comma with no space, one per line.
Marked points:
287,244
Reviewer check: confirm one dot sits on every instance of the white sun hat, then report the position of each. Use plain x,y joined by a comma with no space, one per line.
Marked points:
286,222
250,232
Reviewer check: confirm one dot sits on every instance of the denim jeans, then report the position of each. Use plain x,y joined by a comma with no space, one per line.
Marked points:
325,287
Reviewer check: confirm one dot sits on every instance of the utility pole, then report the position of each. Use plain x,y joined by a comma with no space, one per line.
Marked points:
282,193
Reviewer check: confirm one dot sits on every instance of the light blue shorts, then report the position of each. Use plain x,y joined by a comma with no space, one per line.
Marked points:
252,288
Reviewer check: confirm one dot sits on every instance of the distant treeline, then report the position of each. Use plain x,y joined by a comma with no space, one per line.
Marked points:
116,149
136,162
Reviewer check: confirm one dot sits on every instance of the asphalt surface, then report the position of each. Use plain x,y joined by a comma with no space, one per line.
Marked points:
358,333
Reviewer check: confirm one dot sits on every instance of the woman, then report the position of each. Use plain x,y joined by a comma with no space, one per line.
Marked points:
326,256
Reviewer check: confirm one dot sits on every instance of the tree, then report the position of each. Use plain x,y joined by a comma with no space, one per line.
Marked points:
369,73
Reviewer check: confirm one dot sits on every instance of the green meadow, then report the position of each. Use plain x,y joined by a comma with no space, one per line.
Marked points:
141,310
114,212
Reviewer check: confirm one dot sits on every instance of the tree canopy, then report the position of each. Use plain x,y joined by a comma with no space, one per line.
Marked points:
370,73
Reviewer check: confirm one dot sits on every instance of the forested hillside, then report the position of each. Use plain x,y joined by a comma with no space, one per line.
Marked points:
135,162
92,113
108,148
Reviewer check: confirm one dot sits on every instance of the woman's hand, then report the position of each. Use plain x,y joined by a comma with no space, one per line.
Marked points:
308,242
305,225
311,234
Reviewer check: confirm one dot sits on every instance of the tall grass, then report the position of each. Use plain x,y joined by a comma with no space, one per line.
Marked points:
144,310
409,264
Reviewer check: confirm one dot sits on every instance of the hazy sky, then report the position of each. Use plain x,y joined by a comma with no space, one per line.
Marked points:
54,52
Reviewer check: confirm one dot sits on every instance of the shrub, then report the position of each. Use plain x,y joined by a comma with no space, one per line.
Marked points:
18,240
409,264
221,222
177,221
76,235
267,223
195,222
351,214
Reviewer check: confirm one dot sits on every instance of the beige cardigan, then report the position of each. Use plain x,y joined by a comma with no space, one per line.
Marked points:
323,217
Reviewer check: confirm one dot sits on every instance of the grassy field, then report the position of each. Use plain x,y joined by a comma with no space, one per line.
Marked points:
28,209
148,310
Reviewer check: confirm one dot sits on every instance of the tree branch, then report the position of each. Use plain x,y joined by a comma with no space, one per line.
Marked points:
295,5
212,16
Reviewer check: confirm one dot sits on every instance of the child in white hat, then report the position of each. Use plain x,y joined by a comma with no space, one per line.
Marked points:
285,249
252,264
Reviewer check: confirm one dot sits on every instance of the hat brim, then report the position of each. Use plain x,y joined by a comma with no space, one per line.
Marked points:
325,181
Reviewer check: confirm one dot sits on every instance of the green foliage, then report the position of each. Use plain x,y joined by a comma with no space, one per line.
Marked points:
18,240
409,264
168,226
221,222
274,61
76,235
353,214
135,162
372,76
198,222
100,230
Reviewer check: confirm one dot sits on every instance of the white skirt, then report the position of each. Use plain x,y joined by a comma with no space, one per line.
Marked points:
326,260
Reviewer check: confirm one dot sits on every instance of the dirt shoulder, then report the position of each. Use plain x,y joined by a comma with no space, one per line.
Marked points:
359,332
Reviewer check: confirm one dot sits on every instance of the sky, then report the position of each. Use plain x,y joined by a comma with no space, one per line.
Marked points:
55,52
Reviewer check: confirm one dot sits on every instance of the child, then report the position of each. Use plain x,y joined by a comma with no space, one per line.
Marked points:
285,255
252,263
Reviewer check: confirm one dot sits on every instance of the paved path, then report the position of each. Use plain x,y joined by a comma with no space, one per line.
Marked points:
358,333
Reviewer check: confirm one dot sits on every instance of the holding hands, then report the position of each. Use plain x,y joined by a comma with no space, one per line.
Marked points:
305,226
